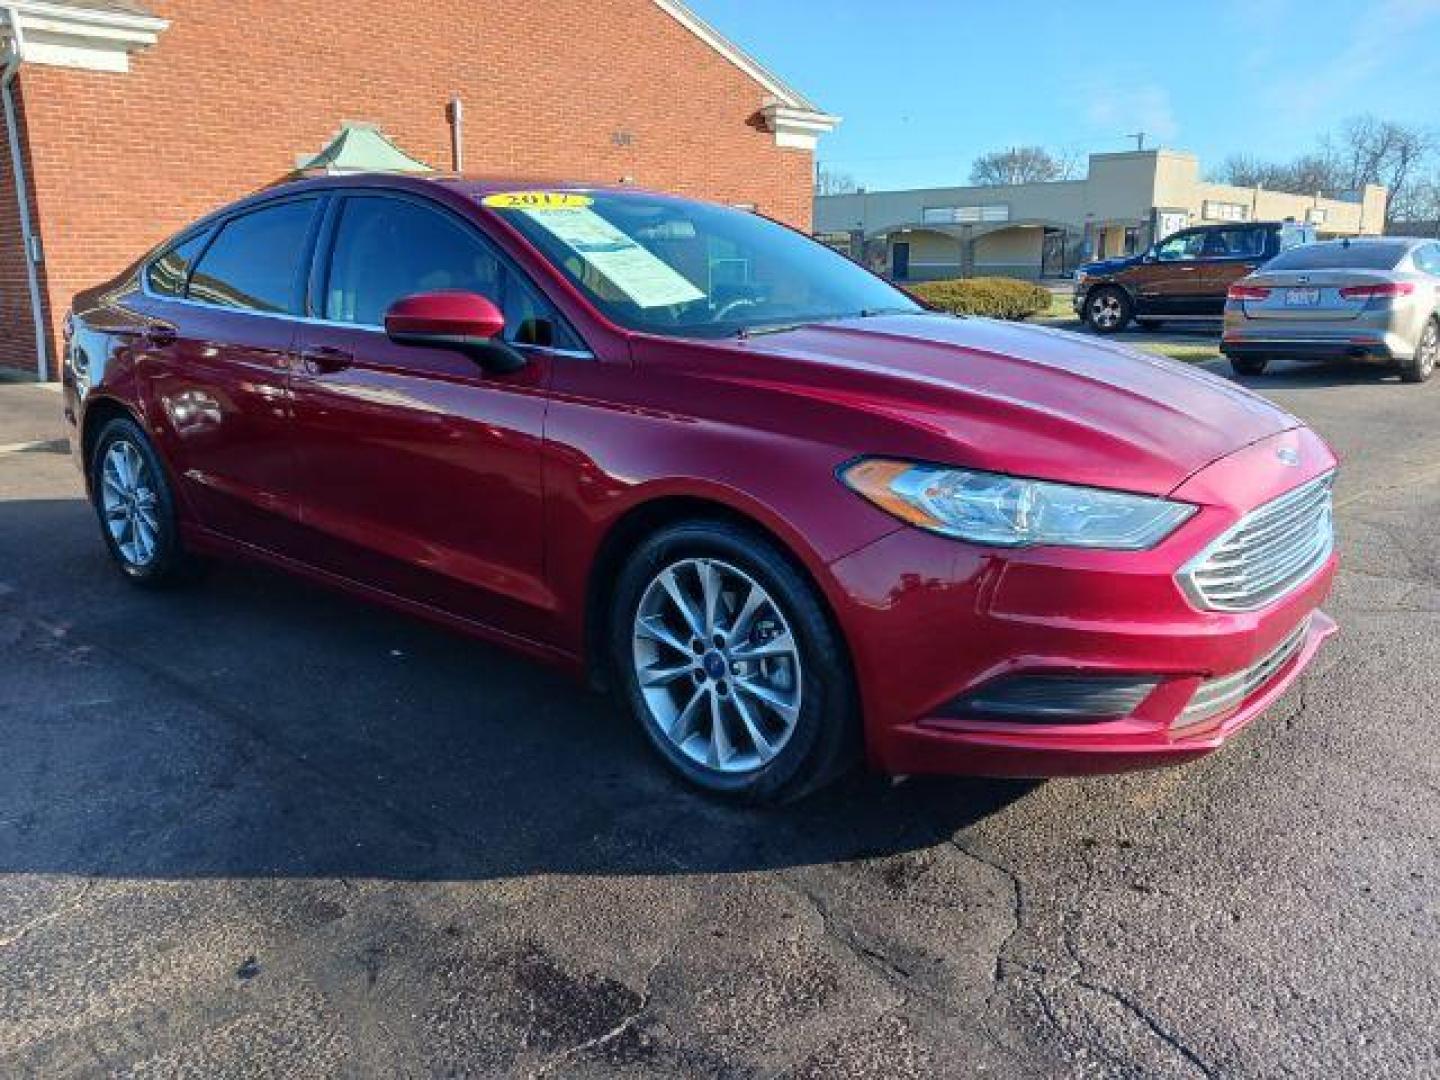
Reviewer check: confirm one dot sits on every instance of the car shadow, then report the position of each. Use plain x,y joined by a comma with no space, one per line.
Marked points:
254,725
1295,375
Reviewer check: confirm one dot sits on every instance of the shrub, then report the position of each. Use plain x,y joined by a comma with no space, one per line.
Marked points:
993,297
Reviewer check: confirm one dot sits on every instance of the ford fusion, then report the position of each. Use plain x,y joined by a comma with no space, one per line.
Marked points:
790,517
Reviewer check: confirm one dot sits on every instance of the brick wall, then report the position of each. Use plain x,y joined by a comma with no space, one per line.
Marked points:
234,91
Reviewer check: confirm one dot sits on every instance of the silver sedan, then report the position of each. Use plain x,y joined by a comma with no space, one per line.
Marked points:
1373,298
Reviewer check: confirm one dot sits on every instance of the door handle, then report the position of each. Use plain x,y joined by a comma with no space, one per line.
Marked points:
324,359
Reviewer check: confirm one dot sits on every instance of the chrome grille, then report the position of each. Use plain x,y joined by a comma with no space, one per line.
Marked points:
1223,694
1267,552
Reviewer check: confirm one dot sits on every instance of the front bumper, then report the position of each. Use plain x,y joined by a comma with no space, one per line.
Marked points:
931,621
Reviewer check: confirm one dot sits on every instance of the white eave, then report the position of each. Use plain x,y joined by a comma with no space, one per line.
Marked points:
795,121
67,35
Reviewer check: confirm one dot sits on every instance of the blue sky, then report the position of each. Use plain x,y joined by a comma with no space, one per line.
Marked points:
926,85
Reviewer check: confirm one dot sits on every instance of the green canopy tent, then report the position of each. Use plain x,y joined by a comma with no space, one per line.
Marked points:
359,148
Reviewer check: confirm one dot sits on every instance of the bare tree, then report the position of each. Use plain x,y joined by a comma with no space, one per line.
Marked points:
1019,165
1366,150
830,182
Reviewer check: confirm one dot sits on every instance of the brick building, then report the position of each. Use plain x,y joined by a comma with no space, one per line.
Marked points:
133,118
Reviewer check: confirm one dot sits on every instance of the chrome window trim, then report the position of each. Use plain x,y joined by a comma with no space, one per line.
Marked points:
218,221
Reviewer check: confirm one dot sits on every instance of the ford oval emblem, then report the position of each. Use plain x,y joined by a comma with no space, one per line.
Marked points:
1288,456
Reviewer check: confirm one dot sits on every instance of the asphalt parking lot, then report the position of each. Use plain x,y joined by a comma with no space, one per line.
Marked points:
257,828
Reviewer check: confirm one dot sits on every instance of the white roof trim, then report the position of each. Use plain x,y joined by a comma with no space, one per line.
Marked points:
62,35
784,93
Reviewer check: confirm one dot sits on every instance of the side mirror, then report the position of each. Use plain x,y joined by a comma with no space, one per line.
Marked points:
463,321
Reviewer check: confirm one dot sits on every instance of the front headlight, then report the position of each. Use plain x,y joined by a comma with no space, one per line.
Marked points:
1009,511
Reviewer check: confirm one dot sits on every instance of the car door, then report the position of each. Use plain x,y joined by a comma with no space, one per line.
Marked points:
1229,255
420,471
1171,280
217,363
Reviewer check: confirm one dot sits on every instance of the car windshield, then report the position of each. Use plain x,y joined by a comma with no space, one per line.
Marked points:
689,269
1339,256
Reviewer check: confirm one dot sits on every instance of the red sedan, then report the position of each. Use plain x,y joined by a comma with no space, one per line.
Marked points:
790,516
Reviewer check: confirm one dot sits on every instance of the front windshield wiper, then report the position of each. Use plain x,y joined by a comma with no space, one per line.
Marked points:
819,320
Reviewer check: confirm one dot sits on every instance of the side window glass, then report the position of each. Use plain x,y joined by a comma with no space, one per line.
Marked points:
1235,244
166,276
1181,247
386,249
1427,259
254,263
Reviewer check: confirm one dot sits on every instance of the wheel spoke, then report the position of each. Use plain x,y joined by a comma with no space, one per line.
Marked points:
786,709
710,595
721,748
652,629
763,749
683,726
663,676
679,599
740,628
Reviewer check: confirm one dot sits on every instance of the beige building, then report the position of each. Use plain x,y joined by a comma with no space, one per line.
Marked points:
1126,202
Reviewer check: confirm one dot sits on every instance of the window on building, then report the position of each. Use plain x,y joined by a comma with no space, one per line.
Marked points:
254,264
965,215
386,249
1315,215
1132,240
1226,211
167,275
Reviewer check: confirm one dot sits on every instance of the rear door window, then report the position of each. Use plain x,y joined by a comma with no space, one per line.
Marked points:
1235,244
255,262
168,275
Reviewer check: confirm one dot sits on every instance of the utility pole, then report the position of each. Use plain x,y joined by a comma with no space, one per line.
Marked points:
1139,138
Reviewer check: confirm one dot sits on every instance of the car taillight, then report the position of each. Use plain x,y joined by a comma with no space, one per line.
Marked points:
1248,292
1381,289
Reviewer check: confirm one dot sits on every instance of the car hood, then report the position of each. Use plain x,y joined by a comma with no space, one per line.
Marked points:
1109,266
1017,399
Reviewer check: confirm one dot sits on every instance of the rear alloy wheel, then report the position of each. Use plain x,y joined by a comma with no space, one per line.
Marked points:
1108,310
731,665
1248,365
135,507
1427,354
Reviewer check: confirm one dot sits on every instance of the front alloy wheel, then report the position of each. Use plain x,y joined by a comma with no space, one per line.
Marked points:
731,663
718,665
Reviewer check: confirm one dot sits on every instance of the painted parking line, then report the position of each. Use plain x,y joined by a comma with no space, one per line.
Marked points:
40,446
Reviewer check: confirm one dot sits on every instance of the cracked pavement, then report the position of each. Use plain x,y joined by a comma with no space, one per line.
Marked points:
257,828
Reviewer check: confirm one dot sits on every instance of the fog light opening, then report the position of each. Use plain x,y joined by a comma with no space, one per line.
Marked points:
1052,699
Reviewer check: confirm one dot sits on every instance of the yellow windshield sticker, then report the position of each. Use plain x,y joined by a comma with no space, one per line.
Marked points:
536,200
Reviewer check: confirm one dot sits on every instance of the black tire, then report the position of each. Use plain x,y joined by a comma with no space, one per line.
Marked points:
1421,366
1149,324
1248,365
824,741
167,564
1108,309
